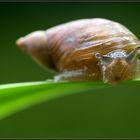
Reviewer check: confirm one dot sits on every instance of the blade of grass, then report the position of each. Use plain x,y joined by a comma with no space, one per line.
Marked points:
16,97
19,96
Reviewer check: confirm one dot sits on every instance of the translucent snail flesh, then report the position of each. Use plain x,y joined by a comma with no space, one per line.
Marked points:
86,50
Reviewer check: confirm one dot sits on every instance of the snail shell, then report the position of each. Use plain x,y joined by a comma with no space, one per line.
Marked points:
86,49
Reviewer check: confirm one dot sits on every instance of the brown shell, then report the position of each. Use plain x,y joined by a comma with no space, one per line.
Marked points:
73,45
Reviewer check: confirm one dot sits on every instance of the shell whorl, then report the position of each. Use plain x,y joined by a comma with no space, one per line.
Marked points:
35,44
80,39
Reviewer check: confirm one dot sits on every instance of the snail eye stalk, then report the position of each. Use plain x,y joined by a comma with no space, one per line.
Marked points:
98,55
103,58
132,55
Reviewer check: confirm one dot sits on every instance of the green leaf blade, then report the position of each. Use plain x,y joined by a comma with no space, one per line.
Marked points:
16,97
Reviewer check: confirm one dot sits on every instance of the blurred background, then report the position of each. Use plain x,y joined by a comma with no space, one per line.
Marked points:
19,19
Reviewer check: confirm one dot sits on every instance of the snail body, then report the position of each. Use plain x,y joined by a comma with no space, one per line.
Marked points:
86,50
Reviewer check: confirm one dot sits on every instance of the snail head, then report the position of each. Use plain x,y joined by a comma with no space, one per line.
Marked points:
118,66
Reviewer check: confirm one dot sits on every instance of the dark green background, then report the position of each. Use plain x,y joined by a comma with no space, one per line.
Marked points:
19,19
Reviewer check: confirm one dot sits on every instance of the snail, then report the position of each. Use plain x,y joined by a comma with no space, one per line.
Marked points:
93,49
